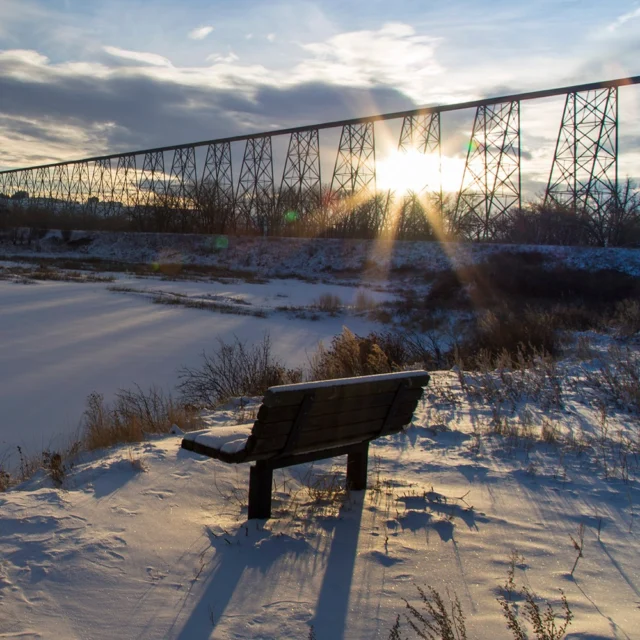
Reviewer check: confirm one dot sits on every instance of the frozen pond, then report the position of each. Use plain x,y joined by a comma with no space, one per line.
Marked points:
61,341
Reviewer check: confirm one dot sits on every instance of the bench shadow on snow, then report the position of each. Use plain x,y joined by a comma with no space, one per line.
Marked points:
251,547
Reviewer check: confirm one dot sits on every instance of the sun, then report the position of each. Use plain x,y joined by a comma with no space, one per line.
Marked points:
412,171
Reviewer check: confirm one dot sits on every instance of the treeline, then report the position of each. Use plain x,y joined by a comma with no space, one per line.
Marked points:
322,214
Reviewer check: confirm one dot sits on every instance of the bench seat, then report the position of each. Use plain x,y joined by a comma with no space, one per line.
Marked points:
224,443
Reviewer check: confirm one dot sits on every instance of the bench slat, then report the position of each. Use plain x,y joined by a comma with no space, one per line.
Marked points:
285,398
329,422
269,415
334,437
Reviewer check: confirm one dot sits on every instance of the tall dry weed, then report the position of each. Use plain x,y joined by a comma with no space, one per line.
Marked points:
131,415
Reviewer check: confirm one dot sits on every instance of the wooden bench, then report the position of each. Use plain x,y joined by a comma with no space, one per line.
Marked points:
313,421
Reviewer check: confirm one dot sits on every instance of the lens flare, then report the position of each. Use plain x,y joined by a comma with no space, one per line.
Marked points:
412,171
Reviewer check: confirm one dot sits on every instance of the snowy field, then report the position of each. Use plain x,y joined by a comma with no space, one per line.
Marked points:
62,341
151,541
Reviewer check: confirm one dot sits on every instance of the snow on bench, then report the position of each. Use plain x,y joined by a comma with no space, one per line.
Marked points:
226,439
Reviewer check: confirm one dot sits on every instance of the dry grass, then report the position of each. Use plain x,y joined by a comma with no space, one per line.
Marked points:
347,356
29,275
235,307
208,305
505,379
131,416
329,303
364,302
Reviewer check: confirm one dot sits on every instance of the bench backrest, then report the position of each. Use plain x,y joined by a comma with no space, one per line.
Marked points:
303,418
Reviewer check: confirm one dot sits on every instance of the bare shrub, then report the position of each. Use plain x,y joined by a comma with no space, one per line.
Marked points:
232,370
578,545
364,301
512,280
327,488
583,349
54,466
132,415
550,432
537,223
627,318
505,333
617,378
543,622
5,479
383,316
329,303
435,620
349,355
404,348
509,587
28,465
378,352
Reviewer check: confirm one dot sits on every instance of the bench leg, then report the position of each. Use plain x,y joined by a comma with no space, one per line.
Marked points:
260,482
357,468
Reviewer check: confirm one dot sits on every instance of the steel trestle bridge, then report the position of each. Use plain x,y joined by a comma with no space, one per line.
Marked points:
196,180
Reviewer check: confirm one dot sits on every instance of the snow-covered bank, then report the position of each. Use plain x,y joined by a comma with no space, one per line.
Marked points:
312,257
166,552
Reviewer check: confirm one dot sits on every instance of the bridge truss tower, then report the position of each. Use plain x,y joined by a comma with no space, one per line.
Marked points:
491,183
255,195
354,173
300,195
584,173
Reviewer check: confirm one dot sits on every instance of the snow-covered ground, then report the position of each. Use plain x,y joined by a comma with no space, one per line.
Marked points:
151,541
62,341
310,257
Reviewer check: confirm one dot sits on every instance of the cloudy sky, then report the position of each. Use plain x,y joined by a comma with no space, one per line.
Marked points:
80,77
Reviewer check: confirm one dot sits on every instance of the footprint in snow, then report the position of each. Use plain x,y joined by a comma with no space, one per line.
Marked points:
383,558
158,494
123,511
154,574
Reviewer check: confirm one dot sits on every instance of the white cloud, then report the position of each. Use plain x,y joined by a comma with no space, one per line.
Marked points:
26,64
25,56
624,18
200,33
271,37
152,59
393,55
218,57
